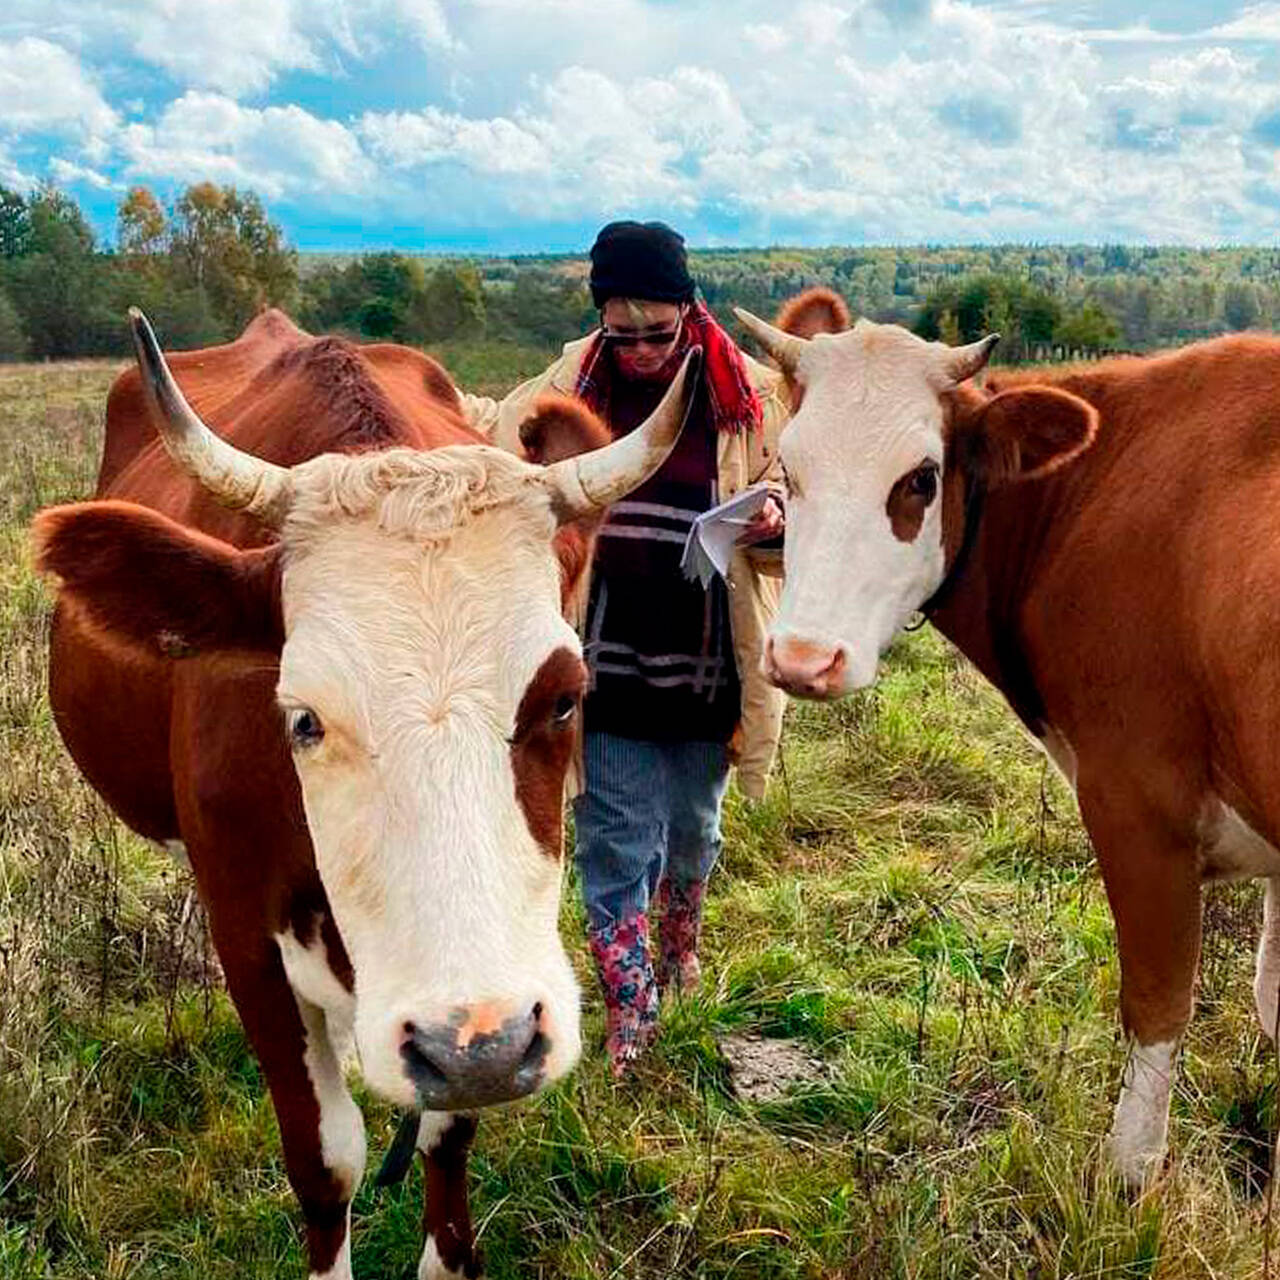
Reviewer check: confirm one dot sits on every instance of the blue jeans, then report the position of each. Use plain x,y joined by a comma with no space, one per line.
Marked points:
647,809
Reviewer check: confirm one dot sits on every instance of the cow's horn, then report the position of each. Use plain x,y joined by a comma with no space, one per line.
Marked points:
785,348
959,363
238,480
584,484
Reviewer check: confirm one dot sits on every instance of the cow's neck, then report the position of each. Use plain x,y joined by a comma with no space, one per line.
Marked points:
991,569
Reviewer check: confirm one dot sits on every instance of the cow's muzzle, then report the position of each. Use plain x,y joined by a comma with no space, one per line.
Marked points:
806,668
453,1067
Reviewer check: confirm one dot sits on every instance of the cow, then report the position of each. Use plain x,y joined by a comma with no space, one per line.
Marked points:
321,651
1103,543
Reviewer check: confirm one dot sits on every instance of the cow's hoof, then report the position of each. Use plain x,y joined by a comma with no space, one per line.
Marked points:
1138,1169
432,1266
1140,1128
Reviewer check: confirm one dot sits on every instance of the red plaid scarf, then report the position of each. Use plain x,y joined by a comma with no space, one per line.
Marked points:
733,402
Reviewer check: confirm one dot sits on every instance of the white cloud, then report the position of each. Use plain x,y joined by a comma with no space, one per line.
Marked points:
426,19
281,152
1257,22
406,140
1211,88
847,119
819,23
1138,34
10,175
583,143
980,126
69,174
44,89
238,47
766,37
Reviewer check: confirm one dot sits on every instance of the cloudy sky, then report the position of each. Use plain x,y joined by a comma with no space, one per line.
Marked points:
512,125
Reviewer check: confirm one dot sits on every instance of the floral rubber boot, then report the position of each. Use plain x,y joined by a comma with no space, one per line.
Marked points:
621,951
679,931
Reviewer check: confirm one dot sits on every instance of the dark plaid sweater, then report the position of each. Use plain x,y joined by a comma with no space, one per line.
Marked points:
659,647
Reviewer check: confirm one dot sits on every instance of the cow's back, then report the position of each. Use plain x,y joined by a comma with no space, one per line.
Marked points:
1147,573
284,396
209,377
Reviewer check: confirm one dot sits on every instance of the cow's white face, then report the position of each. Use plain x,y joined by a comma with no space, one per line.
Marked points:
864,546
430,688
881,458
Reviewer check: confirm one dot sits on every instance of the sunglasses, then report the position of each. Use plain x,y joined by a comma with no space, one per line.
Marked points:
624,339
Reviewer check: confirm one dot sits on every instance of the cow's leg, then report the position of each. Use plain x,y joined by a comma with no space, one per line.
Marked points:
1151,870
449,1251
321,1128
1266,977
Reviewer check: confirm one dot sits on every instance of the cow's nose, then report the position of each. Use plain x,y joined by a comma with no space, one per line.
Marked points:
807,668
455,1067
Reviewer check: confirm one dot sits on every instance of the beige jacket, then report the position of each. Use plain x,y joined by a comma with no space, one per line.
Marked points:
754,575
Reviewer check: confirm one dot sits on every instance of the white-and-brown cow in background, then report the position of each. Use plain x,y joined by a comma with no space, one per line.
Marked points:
1103,542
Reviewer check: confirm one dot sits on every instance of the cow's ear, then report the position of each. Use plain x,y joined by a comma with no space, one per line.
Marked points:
561,427
815,310
573,546
1030,431
149,584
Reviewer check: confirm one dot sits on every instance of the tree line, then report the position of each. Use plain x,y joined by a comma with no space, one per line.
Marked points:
203,266
201,269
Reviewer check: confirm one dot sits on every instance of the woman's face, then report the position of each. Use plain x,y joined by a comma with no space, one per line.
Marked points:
644,336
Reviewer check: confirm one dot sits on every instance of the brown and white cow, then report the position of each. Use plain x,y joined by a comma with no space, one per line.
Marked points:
1103,543
326,654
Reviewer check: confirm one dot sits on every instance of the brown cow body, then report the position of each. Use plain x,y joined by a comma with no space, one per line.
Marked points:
188,746
1103,542
1125,605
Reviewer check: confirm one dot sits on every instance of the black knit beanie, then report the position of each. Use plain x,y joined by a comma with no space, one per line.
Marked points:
639,260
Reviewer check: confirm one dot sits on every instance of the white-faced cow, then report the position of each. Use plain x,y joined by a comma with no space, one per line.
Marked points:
1104,543
326,653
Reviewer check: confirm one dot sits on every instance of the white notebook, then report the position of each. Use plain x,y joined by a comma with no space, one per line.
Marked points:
715,533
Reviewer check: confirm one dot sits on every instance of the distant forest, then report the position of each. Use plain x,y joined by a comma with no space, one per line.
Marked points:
203,266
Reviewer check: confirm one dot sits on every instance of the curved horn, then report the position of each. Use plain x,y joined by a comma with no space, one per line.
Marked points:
588,482
959,363
784,347
238,480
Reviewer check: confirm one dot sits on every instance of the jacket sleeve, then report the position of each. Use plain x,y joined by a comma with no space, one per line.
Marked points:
480,412
753,602
499,420
764,464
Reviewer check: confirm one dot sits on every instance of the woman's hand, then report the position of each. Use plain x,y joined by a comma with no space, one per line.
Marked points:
768,523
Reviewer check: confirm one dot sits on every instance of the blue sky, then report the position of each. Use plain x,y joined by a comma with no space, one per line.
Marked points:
513,126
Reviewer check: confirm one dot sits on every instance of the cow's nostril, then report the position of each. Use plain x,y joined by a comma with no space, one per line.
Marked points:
535,1053
422,1065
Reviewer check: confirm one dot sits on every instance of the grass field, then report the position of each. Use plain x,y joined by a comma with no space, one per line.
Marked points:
915,904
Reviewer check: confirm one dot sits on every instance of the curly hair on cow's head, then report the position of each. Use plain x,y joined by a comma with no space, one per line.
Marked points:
423,494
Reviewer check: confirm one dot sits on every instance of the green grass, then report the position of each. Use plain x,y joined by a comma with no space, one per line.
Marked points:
491,368
914,901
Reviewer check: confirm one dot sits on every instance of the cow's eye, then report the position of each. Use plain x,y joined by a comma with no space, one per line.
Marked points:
922,483
305,729
565,709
